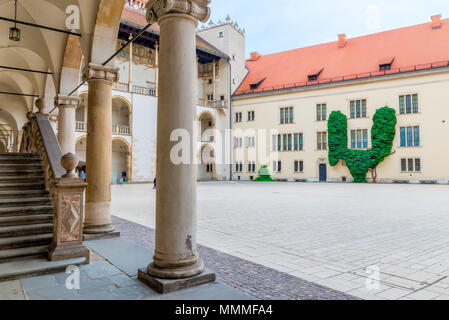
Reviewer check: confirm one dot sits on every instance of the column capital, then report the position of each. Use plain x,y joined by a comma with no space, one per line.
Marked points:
197,9
67,101
99,72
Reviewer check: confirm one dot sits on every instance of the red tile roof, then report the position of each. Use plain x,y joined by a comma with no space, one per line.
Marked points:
137,18
412,48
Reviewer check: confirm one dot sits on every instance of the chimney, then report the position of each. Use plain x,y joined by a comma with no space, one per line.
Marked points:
255,56
341,40
436,21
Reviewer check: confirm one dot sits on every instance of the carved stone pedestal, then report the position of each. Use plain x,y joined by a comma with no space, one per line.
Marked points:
68,195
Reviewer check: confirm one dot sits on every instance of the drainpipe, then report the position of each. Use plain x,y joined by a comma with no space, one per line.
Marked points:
230,118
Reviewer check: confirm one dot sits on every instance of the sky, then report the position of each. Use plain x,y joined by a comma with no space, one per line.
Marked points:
279,25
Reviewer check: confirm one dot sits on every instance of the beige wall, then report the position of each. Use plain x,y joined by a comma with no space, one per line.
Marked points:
433,119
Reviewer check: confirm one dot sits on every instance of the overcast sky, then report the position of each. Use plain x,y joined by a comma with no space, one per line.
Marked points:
279,25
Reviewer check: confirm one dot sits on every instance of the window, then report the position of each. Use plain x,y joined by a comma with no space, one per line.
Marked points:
250,142
359,139
288,142
209,167
322,140
313,77
238,117
251,115
221,34
321,112
358,109
408,104
411,165
277,166
410,136
385,67
237,142
299,166
238,166
298,141
286,115
251,166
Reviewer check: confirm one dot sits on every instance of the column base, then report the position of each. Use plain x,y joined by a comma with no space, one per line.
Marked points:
183,271
100,232
163,286
63,252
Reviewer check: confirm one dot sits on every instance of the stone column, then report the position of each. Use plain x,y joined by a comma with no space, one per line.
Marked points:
176,256
66,122
99,151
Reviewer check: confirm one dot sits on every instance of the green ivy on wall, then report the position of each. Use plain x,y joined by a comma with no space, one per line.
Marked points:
360,162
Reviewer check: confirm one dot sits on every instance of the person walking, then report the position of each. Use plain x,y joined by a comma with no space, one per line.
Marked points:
154,183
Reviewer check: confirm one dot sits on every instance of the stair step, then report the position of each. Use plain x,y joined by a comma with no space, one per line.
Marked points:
32,267
21,166
26,179
7,211
26,241
13,254
25,230
17,185
24,194
25,219
20,161
17,202
18,155
20,173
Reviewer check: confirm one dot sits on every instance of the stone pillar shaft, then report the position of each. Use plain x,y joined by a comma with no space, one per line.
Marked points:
99,150
66,122
176,255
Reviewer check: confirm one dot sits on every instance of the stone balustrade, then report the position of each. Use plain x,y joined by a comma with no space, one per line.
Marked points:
66,189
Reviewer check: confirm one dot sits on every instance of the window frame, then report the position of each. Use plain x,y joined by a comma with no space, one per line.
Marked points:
414,107
358,110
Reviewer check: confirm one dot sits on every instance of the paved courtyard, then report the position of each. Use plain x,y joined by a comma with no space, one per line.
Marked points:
324,233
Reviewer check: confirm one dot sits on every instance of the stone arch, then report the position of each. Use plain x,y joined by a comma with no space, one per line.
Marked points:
104,39
121,115
206,121
121,160
207,167
125,101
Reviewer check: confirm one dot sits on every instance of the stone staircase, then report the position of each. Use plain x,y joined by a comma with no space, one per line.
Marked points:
26,217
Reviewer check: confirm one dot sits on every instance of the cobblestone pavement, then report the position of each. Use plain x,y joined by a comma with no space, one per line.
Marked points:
250,278
328,234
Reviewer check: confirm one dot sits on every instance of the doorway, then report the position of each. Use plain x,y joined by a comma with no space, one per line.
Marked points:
323,172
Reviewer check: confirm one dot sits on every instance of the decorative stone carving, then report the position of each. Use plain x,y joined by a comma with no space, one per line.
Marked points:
69,162
67,101
99,72
40,105
195,8
70,211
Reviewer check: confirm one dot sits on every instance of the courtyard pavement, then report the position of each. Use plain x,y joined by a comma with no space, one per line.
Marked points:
334,235
111,275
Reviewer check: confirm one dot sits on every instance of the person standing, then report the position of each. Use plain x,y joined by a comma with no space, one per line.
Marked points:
124,175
